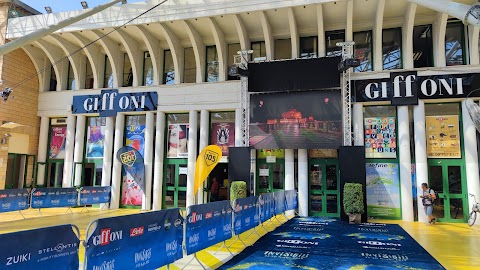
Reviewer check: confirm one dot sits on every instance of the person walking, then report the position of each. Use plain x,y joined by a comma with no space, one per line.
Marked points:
427,199
214,190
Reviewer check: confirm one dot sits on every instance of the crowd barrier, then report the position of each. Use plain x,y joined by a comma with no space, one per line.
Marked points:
14,199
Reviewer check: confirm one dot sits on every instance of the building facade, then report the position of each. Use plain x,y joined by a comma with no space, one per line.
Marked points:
181,51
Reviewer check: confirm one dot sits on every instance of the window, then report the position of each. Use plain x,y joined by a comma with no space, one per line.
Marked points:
147,78
88,76
127,71
391,48
232,51
53,80
455,44
71,77
259,51
308,47
168,68
331,40
422,46
363,50
190,68
212,64
283,49
108,74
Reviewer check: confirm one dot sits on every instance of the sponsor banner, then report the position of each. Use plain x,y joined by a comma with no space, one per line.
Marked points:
279,202
94,195
223,135
141,241
95,141
291,200
133,175
267,206
13,199
245,214
380,137
54,197
264,153
206,161
383,191
207,225
57,142
44,248
443,136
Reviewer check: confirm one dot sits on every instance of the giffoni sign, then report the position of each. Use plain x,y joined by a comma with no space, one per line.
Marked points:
406,88
110,102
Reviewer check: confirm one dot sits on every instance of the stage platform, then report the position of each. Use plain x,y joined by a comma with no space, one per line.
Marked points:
454,245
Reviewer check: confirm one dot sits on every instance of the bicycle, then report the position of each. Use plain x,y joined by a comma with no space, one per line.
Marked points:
475,209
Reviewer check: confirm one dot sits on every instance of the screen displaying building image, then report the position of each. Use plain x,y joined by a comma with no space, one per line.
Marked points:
296,120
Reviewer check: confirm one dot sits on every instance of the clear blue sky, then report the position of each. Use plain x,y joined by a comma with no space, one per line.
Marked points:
66,5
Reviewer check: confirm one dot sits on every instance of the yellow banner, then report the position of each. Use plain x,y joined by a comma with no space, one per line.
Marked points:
443,136
206,161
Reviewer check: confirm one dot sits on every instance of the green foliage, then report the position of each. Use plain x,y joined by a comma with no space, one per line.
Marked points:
353,198
238,189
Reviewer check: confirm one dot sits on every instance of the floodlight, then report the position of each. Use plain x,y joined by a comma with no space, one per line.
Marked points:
48,9
84,4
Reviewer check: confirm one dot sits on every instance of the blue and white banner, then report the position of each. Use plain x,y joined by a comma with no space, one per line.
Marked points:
279,202
291,202
267,206
245,214
40,249
142,241
13,199
94,195
54,197
207,225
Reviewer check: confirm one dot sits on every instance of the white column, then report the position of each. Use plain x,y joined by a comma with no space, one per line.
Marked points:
149,134
204,121
108,153
42,149
69,143
290,173
421,165
79,146
238,127
159,156
117,165
358,124
192,156
471,157
405,163
303,182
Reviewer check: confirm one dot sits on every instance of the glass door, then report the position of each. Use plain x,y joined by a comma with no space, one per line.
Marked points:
175,187
55,173
323,187
446,177
270,176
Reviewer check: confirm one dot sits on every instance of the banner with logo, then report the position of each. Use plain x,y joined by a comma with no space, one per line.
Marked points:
44,248
13,199
207,225
54,197
141,241
383,191
133,180
291,200
57,142
95,141
380,137
206,161
267,206
279,197
223,135
443,136
177,141
94,195
245,214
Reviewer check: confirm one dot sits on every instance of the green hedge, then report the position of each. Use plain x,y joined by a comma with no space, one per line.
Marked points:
353,198
238,189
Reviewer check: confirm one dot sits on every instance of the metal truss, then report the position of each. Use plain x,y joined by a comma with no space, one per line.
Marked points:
241,60
347,53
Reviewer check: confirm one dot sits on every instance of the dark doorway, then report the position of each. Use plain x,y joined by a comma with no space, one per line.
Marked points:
88,177
221,173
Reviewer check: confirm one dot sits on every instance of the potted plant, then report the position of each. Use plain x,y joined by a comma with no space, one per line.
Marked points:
238,190
353,202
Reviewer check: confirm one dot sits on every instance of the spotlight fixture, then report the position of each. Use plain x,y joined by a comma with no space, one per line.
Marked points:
124,2
13,13
48,9
6,93
84,4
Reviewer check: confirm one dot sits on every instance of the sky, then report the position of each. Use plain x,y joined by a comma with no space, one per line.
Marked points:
66,5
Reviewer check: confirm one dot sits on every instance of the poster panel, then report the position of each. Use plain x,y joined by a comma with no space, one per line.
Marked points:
443,136
95,141
380,137
383,191
223,135
57,142
177,141
264,153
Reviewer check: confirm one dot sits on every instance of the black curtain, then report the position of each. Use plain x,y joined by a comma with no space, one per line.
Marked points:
239,167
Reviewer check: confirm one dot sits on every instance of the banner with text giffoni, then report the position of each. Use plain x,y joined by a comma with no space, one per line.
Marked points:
291,200
13,199
141,241
40,249
94,195
54,197
245,215
207,225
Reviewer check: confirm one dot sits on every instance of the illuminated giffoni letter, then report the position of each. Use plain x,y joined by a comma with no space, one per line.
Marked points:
396,86
104,101
87,104
369,91
408,85
123,102
433,87
112,99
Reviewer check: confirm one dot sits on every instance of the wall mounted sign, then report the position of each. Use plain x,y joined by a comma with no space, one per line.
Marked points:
383,191
406,88
110,102
443,136
380,137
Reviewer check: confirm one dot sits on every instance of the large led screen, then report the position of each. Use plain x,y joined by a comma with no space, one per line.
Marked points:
296,120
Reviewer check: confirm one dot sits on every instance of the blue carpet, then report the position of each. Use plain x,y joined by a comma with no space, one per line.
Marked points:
324,243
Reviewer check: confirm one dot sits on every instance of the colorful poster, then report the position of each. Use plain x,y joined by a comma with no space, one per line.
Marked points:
131,191
57,142
264,153
380,137
223,135
95,141
177,141
383,191
443,136
135,137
